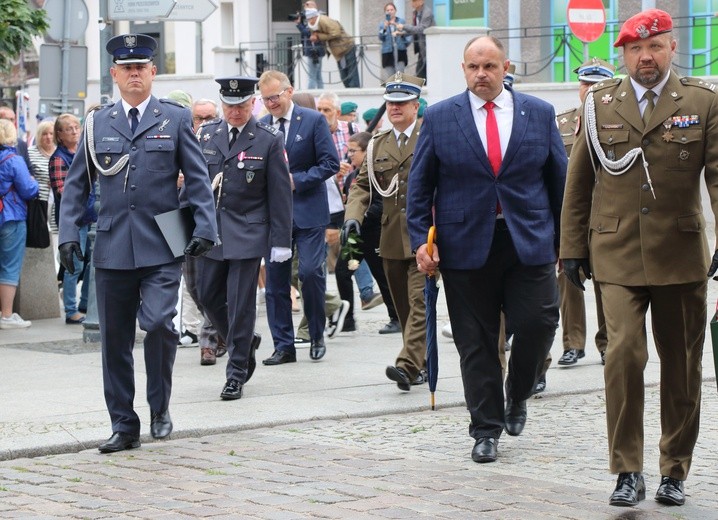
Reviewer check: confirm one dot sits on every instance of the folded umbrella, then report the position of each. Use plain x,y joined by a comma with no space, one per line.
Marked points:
431,292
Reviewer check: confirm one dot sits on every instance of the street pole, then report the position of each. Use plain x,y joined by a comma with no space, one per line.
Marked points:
91,325
65,81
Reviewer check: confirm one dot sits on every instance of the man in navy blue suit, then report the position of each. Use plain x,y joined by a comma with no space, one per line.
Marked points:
312,159
491,162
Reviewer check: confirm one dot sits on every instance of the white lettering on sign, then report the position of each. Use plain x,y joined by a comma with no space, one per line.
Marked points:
586,15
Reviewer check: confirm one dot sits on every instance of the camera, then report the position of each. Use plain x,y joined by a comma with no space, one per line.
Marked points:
297,17
388,17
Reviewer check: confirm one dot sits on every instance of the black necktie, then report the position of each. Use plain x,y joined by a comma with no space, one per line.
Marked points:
133,119
282,128
235,132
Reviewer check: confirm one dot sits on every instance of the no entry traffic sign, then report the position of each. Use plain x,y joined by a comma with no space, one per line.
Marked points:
586,18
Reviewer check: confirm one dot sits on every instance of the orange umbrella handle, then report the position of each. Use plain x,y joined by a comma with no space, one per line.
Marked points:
430,240
430,243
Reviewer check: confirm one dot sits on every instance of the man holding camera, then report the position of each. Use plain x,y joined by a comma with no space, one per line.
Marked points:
313,51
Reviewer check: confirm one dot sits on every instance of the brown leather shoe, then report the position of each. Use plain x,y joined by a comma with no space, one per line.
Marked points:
208,357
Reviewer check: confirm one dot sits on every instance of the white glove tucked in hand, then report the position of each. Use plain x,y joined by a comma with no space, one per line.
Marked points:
280,254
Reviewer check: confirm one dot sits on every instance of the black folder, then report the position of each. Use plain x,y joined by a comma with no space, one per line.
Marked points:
177,227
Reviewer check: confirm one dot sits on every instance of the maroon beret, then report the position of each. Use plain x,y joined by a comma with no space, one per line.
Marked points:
644,25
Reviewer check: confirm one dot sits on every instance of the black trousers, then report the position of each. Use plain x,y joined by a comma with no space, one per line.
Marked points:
369,247
147,295
528,295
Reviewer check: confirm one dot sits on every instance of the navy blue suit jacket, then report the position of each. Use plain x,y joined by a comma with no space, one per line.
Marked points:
451,172
312,159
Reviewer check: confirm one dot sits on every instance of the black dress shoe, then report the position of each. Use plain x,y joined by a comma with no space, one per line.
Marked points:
630,488
232,390
571,357
252,364
485,450
392,327
120,441
279,357
161,424
671,492
400,377
317,349
514,416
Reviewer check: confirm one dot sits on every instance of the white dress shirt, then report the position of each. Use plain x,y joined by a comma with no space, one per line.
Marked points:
504,111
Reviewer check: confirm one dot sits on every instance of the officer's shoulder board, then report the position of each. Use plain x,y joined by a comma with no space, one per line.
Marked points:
211,122
269,128
382,133
172,102
604,84
698,82
567,112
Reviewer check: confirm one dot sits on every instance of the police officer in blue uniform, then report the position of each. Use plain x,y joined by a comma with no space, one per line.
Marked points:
253,194
135,148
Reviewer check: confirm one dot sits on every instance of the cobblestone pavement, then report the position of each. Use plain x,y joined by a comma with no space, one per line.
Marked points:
414,465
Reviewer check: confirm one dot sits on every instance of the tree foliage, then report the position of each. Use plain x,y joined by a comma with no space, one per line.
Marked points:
19,23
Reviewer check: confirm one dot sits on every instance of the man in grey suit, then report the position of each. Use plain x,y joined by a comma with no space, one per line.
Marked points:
136,149
250,176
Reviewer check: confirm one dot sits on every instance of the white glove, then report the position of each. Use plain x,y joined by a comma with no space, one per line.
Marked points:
280,254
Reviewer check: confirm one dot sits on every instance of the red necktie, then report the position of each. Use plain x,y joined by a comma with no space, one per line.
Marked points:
493,143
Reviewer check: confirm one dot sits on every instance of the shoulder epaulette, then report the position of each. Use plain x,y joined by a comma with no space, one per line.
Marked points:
172,102
566,112
269,128
604,84
382,132
698,82
211,122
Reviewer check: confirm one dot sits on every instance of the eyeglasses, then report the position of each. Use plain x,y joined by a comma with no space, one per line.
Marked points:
273,99
71,129
352,152
199,119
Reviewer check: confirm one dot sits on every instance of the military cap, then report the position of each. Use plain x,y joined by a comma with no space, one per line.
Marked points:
132,48
369,114
348,107
595,70
509,76
644,25
402,87
236,89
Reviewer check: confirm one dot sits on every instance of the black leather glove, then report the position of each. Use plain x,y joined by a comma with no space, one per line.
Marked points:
714,266
349,227
67,251
570,269
198,246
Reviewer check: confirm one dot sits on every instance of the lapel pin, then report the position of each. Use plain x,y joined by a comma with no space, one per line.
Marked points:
163,125
606,99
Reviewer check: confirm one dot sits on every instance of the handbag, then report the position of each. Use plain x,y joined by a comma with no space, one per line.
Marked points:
38,234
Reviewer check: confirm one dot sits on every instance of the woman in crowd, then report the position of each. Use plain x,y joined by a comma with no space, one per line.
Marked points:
393,43
40,154
67,136
16,187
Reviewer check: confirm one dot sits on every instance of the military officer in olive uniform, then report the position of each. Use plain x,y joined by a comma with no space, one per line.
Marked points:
385,173
136,149
633,219
250,178
573,306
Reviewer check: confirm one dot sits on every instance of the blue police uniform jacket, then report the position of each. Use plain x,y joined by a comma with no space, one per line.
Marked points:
163,144
254,198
